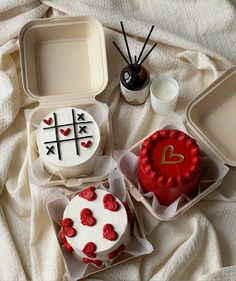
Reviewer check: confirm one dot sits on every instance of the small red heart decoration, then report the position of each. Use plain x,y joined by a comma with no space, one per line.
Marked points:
89,250
86,217
66,222
116,252
109,202
86,144
88,193
69,231
65,132
109,233
62,236
98,263
68,247
48,121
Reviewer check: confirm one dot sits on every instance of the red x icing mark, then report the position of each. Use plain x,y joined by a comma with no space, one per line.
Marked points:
86,217
98,263
109,202
89,250
109,233
48,121
88,193
65,132
86,144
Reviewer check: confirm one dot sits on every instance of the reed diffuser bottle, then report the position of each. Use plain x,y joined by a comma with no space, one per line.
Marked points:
134,78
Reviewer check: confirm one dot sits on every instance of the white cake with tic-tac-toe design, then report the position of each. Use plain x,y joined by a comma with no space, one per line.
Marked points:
68,141
96,226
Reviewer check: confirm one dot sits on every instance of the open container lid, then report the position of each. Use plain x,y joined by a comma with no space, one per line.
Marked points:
211,117
63,58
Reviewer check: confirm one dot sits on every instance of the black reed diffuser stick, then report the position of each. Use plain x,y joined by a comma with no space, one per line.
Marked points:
145,43
119,50
126,42
134,78
128,50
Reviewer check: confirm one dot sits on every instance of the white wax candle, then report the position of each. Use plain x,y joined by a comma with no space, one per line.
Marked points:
165,91
164,94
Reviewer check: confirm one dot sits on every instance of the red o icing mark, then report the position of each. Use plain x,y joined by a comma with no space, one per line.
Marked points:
128,211
88,193
86,144
109,202
109,233
116,252
48,121
68,247
69,231
86,217
66,222
89,250
98,263
65,132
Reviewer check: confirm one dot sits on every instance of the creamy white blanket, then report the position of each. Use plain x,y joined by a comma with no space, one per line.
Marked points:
196,42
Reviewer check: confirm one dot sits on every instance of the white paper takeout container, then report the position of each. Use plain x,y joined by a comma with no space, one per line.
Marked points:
64,63
56,209
211,121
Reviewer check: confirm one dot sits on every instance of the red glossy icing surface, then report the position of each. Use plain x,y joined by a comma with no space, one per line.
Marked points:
86,217
170,165
89,250
109,202
88,193
109,233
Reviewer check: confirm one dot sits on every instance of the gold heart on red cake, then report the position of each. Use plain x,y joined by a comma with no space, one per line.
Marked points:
86,144
48,121
168,151
109,202
65,132
109,233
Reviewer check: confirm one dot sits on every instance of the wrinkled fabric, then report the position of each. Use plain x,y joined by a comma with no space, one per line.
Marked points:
195,44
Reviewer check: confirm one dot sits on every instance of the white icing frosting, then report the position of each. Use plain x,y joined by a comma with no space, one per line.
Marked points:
69,157
85,234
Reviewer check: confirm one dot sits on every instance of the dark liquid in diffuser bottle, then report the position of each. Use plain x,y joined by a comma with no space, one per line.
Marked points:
134,84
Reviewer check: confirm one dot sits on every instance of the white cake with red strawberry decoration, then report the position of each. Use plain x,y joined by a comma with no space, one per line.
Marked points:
68,141
96,226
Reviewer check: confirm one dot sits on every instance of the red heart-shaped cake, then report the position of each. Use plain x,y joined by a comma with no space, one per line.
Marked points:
170,164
